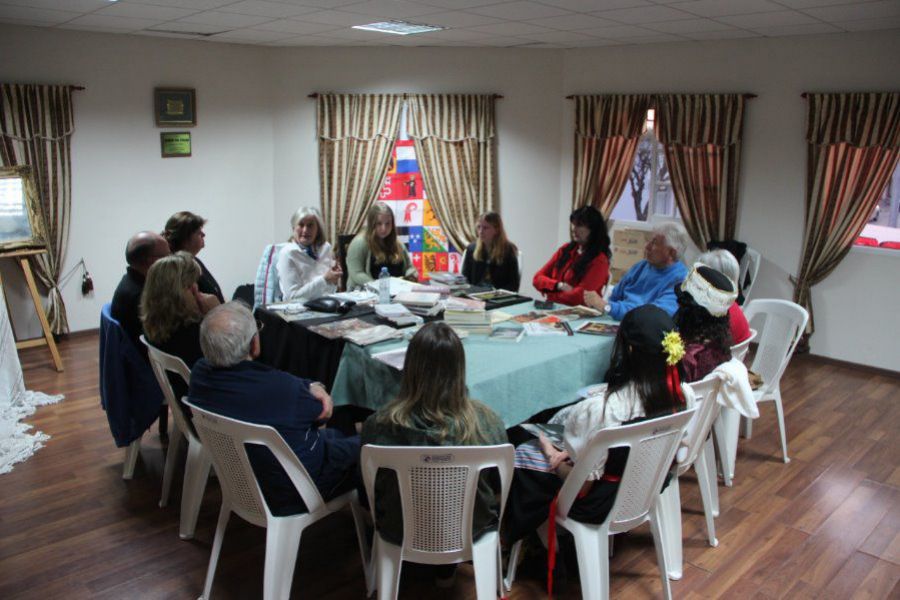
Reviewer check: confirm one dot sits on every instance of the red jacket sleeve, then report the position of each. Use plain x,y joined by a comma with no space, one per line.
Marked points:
594,279
545,280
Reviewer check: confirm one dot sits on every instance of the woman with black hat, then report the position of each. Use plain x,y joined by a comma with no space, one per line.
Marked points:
704,298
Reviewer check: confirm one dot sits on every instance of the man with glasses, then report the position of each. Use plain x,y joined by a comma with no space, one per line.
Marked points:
228,381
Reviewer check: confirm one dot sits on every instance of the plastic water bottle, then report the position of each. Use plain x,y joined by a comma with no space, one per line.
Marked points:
384,286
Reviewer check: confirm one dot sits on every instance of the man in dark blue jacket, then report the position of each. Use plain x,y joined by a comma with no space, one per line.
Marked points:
228,382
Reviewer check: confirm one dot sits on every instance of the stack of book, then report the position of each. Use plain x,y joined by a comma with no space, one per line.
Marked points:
465,314
421,303
452,280
397,314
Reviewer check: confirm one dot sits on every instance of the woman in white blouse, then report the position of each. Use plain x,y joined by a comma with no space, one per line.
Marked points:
306,265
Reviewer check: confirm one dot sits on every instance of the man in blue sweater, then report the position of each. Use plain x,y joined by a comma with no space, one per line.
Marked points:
651,281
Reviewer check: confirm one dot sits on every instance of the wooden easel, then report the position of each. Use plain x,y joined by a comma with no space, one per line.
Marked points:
47,340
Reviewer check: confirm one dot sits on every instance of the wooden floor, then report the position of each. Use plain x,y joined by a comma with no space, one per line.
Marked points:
825,525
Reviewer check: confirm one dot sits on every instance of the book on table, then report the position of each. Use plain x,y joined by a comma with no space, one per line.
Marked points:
598,328
392,358
548,325
422,299
339,329
397,314
506,334
373,335
397,286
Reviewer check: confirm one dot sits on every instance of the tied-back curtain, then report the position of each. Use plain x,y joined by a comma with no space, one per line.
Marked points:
454,136
607,132
853,149
36,126
701,135
356,136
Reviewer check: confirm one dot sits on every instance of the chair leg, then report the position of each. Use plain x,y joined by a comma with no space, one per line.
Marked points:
710,457
701,468
224,514
660,552
131,456
388,560
780,410
196,474
513,563
592,548
282,545
169,470
726,428
748,427
365,552
484,561
670,528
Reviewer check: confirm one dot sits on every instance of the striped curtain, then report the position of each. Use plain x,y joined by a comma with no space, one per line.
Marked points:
853,149
356,136
455,142
36,126
607,132
701,135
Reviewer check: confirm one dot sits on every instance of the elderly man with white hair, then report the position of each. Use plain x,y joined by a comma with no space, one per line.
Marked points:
229,382
651,281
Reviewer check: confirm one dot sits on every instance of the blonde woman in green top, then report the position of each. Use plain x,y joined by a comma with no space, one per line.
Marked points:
375,247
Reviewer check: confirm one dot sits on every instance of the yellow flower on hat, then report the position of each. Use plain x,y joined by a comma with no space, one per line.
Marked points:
673,347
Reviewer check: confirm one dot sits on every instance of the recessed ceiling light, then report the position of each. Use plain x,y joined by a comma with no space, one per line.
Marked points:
399,27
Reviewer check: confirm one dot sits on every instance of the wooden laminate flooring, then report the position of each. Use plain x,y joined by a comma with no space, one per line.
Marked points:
826,525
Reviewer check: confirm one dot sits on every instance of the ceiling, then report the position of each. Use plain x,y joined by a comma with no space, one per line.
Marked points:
472,23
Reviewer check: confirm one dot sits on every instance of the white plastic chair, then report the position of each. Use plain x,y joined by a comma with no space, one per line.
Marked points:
652,446
225,440
784,325
438,488
728,423
696,451
196,470
749,265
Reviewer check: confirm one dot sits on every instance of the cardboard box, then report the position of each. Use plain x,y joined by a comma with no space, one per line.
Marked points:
615,275
628,247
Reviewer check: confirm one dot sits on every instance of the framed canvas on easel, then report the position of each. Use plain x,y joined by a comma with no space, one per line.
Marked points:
22,235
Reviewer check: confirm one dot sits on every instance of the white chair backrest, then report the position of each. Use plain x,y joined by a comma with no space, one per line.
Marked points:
706,392
749,265
739,351
438,489
224,438
519,260
652,445
161,363
783,325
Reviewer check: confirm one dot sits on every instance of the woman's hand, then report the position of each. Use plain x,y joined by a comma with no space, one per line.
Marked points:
205,302
333,275
562,286
554,456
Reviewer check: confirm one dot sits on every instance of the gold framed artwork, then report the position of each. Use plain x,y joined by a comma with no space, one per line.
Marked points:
175,107
175,144
21,215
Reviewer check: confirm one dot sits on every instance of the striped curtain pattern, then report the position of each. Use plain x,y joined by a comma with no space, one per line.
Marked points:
454,136
607,132
36,126
853,149
701,135
356,136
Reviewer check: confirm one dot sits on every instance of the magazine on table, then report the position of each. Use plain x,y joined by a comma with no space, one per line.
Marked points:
506,334
573,313
597,328
339,329
548,325
494,296
533,315
373,335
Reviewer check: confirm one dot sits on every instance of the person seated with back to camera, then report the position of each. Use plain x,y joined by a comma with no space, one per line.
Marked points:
492,260
375,247
581,266
184,231
725,263
704,298
433,408
652,280
644,381
306,265
228,381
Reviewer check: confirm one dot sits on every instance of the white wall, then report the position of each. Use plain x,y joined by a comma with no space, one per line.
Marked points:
856,308
255,156
120,184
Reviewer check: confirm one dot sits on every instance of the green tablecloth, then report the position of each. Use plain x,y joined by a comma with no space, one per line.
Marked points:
516,380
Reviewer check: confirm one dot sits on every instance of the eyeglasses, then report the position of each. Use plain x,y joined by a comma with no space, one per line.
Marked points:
259,326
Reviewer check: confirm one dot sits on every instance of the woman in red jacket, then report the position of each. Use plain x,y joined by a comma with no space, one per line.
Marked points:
580,265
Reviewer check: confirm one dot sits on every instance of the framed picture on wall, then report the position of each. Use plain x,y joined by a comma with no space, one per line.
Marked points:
175,144
175,107
21,214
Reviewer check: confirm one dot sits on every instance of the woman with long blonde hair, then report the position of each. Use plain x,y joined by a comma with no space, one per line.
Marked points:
377,246
433,408
492,259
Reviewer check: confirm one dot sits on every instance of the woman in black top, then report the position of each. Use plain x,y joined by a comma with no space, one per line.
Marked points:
184,231
492,259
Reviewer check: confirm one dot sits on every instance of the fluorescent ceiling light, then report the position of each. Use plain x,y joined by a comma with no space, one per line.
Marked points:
398,27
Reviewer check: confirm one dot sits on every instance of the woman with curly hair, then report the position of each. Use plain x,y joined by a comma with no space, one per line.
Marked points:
704,298
184,231
579,266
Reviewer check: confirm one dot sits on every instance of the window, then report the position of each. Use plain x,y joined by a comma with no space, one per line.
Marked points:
883,228
649,188
417,225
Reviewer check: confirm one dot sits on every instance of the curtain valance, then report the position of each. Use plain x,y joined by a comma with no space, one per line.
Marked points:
357,116
861,119
699,119
451,117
